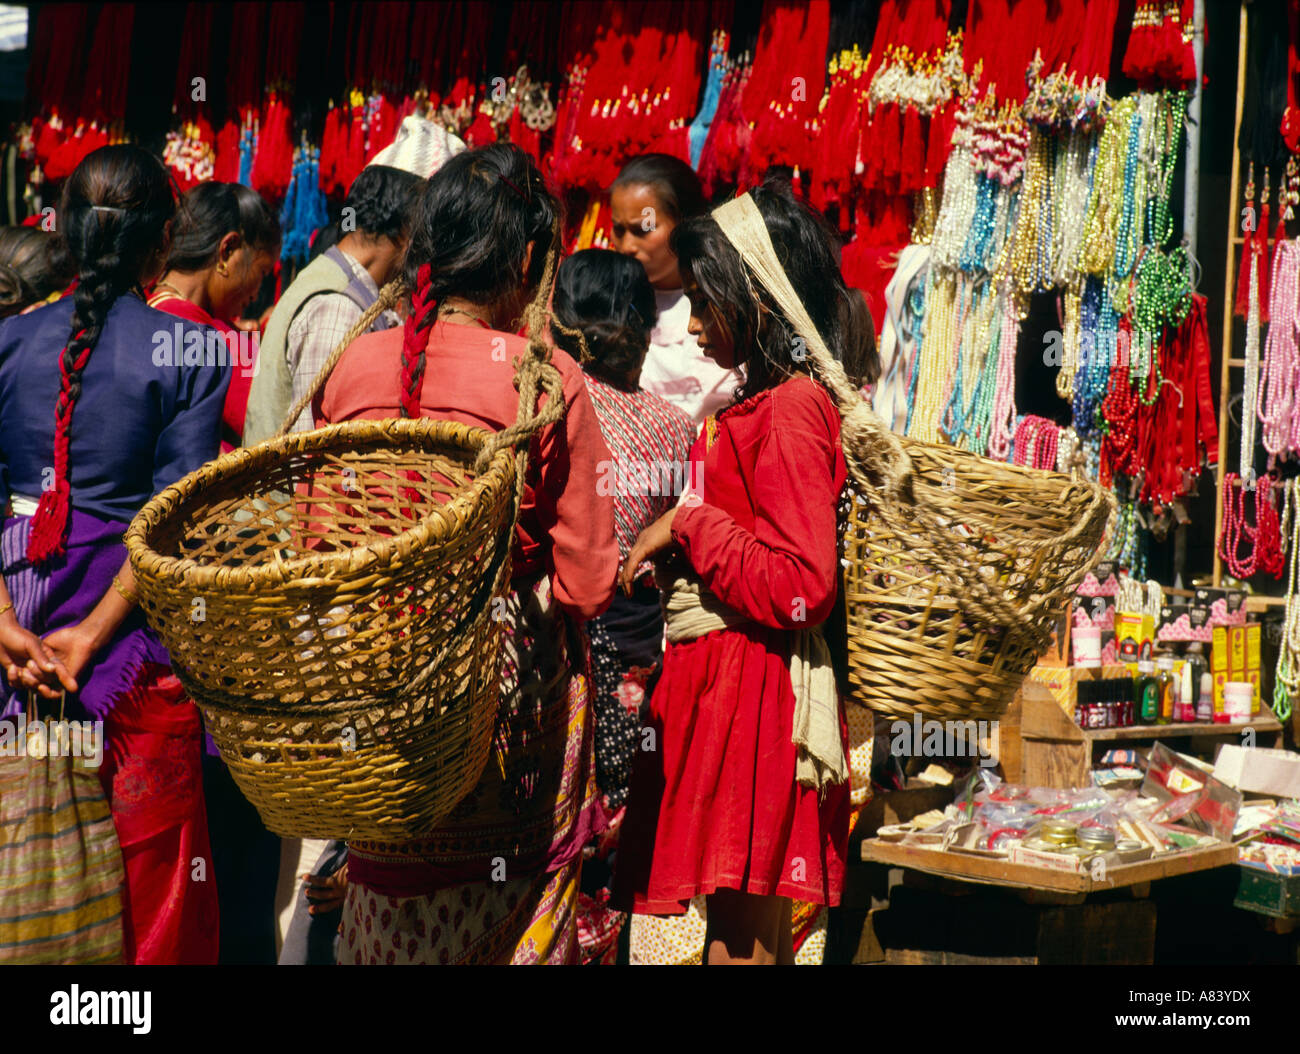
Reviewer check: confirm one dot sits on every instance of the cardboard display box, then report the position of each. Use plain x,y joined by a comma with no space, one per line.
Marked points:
1258,770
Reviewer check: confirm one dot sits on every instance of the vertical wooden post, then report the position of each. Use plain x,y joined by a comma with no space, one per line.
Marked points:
1230,272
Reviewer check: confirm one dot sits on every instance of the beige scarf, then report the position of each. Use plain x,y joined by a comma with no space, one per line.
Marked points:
691,611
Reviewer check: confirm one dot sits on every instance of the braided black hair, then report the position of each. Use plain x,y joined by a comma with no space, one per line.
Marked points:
112,222
115,208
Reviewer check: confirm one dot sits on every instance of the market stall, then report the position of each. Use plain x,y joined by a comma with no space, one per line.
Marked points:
1030,196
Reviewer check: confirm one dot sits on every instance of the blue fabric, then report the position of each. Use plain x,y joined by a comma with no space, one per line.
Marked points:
142,421
698,132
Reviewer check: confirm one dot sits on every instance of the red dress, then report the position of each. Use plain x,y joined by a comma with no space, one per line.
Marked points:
714,803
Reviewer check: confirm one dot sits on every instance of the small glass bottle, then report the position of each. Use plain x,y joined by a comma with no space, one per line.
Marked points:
1205,700
1146,693
1165,679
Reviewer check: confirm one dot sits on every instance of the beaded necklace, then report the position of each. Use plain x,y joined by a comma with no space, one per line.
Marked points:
1235,528
975,434
921,297
1094,368
1105,204
1278,377
1004,399
1286,681
1070,344
934,356
1077,163
1125,547
1250,394
1126,236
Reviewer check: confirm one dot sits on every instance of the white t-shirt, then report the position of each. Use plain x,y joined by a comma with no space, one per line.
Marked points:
677,370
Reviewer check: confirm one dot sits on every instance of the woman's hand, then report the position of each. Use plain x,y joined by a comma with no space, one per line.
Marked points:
30,663
654,539
72,647
326,892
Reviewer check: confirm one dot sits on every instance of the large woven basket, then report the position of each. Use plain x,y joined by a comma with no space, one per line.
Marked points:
917,642
327,599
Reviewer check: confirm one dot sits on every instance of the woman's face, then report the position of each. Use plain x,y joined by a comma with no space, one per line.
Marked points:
641,229
246,269
707,329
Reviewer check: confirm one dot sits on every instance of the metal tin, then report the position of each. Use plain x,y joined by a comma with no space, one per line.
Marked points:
1059,828
1129,845
1096,837
1040,845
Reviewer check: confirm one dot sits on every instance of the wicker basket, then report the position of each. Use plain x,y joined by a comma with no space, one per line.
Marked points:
917,641
327,599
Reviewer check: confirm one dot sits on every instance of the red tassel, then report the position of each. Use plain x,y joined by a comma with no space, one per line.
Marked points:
912,164
1243,272
50,524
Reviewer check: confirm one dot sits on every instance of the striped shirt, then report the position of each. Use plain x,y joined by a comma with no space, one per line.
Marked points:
650,441
315,332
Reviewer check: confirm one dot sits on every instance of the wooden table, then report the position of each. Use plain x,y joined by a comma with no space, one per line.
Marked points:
986,870
956,908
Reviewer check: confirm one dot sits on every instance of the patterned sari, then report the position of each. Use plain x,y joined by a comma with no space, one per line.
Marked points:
151,769
497,882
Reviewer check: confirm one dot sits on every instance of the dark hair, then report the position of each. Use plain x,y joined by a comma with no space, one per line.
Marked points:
326,238
861,359
674,181
112,221
764,339
209,212
30,268
384,199
469,237
607,297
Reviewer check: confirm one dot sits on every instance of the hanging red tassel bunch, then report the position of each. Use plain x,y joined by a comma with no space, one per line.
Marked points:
1160,51
634,93
835,166
81,73
190,150
787,83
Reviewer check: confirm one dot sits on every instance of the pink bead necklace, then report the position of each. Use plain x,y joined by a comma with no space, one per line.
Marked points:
1278,375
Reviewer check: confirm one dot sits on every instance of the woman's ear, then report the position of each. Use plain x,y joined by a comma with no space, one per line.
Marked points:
228,246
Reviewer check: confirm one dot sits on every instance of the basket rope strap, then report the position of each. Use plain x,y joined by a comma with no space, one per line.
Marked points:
875,456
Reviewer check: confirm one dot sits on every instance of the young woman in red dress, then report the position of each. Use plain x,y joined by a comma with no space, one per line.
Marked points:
723,803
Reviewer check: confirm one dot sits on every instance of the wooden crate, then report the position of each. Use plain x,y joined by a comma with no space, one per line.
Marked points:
1268,893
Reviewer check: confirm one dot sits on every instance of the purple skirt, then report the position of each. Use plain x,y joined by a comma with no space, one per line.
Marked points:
63,592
